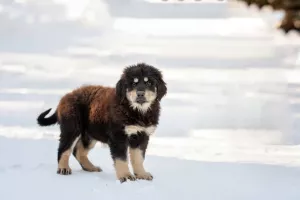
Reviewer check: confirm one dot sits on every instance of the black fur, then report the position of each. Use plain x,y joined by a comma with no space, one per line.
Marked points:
43,121
121,90
70,129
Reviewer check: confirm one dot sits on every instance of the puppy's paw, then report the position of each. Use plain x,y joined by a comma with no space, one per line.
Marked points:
97,169
92,169
144,176
64,171
127,177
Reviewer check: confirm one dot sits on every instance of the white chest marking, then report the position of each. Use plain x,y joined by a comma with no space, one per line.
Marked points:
134,129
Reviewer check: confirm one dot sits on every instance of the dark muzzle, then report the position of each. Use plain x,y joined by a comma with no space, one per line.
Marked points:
140,97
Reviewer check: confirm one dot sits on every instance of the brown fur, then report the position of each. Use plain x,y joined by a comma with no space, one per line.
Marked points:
137,160
103,105
122,169
81,156
98,98
63,163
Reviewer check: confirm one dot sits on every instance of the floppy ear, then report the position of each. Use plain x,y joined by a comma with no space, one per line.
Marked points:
121,90
161,87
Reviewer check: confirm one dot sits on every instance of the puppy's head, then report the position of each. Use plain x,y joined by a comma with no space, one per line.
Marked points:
141,85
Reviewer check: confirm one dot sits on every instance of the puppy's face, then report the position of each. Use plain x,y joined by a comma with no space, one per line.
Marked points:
141,92
141,85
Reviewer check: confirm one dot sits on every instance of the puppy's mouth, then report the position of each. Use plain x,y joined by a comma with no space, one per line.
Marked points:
140,100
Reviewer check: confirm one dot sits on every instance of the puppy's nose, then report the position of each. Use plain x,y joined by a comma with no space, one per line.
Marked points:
140,93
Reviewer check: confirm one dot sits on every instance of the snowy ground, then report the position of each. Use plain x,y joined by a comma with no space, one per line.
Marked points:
29,172
236,89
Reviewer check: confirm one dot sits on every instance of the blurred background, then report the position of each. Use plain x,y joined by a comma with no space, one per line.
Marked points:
232,76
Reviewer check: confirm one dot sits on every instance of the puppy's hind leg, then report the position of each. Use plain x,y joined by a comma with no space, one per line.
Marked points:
70,134
81,150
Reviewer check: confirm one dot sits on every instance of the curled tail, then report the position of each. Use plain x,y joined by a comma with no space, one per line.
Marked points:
42,121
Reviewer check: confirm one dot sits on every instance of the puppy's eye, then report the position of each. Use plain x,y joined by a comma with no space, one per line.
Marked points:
135,81
148,83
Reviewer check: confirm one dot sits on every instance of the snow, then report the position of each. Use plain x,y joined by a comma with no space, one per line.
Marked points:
27,170
229,126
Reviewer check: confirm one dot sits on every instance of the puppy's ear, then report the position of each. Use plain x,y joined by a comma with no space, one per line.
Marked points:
161,87
121,89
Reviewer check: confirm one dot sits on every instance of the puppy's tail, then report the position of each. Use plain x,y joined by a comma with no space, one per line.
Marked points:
43,121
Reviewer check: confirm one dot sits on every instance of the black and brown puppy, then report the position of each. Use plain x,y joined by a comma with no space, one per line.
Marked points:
122,117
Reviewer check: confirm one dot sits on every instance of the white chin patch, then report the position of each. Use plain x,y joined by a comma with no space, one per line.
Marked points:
143,108
134,129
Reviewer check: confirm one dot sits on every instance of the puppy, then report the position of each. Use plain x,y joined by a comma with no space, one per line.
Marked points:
122,117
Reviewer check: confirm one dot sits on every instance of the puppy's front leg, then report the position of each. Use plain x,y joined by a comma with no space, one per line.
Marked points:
137,156
118,149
